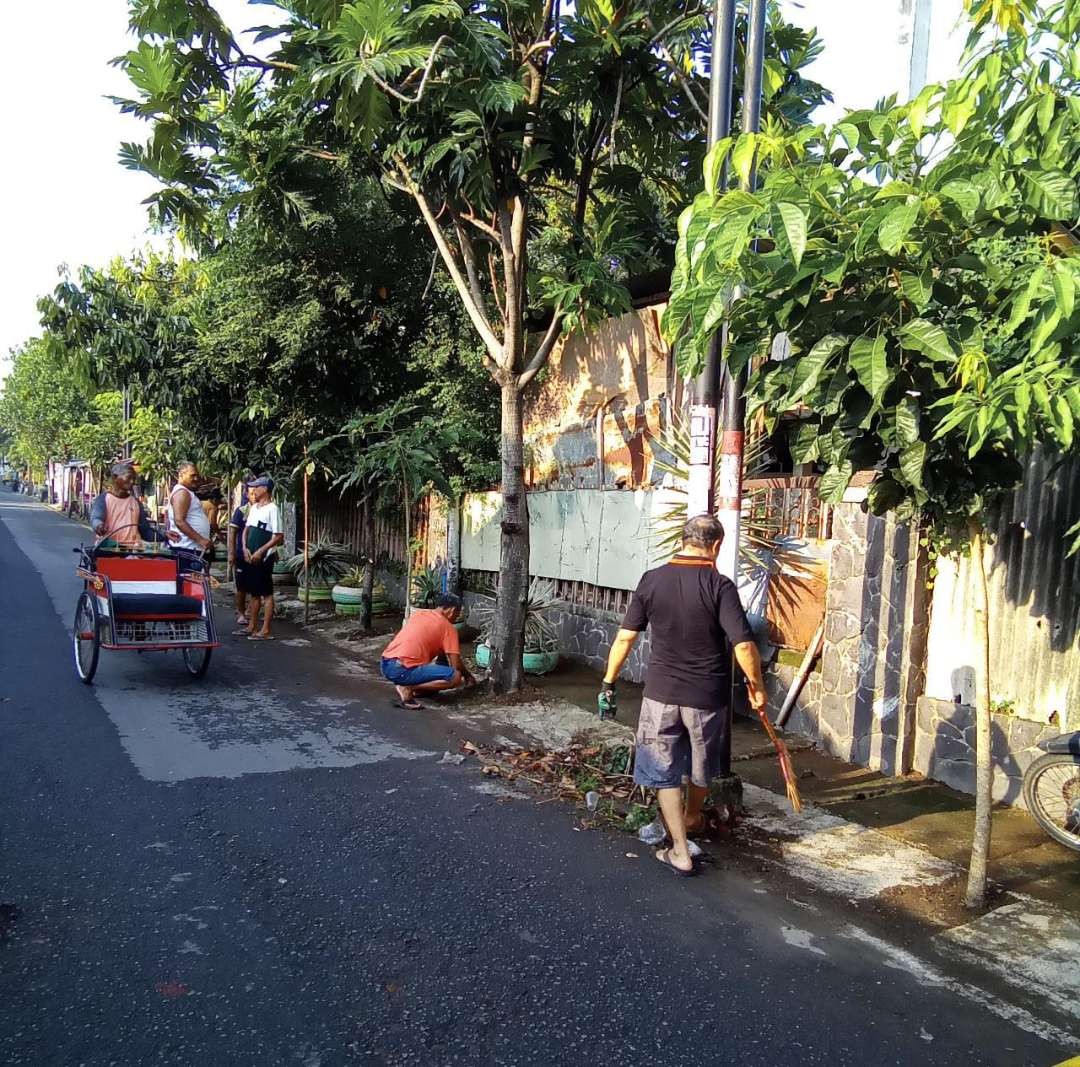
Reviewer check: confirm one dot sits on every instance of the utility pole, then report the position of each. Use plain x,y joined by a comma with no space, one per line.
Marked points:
707,384
729,503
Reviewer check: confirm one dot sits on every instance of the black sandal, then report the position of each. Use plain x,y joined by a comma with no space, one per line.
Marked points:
663,855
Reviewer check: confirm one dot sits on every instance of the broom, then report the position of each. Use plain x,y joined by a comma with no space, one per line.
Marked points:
787,769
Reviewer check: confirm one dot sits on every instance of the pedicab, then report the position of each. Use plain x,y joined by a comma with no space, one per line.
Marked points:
146,598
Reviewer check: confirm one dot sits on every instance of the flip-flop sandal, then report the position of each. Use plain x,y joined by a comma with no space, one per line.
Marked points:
408,705
260,637
241,632
662,856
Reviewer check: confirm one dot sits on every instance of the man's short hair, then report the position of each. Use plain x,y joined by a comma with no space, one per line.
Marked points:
122,469
448,600
703,531
187,465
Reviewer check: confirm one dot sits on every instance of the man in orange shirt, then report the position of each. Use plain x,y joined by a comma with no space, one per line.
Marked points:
409,661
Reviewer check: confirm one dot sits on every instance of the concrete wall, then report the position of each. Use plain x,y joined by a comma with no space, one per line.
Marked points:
585,535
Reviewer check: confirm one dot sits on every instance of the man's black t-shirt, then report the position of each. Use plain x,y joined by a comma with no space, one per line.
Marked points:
696,617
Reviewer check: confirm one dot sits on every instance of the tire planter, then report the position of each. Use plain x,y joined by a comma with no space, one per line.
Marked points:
313,594
283,574
348,599
533,662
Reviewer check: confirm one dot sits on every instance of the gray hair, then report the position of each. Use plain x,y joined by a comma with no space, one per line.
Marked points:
187,465
702,531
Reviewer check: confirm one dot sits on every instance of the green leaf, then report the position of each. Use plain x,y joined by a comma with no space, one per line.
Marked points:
1045,113
1064,288
884,495
907,420
1052,193
912,461
1021,122
1064,421
804,442
1047,322
1023,407
919,107
834,482
1022,303
808,368
850,133
897,226
867,359
929,338
714,164
742,158
918,288
964,194
791,233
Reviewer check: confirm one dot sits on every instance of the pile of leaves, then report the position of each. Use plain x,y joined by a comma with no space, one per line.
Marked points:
574,772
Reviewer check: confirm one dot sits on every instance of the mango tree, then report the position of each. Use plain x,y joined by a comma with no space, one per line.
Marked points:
921,259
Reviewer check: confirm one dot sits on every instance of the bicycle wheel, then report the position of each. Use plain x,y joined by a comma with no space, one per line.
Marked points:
197,661
86,637
1052,795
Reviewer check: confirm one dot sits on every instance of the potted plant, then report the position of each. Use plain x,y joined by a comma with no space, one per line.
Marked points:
426,587
327,561
541,654
348,594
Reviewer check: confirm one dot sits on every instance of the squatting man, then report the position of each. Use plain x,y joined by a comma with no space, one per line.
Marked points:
696,621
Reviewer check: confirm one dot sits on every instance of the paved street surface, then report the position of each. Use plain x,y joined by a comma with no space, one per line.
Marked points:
271,867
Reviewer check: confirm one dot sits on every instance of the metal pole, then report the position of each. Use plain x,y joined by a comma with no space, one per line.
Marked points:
307,584
729,489
729,504
706,385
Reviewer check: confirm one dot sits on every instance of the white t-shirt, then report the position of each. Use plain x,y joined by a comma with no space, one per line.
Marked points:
264,517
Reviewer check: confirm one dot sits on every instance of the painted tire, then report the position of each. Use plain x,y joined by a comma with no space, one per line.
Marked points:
346,609
347,595
533,662
314,594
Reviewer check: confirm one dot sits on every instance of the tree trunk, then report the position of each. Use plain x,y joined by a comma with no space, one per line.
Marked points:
508,625
368,591
408,553
984,772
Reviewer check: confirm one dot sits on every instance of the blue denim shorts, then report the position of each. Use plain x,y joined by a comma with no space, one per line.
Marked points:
393,670
673,741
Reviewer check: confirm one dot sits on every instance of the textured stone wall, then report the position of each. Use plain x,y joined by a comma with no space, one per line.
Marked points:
945,747
872,669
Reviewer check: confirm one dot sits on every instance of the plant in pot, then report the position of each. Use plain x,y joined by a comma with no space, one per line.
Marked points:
348,593
541,653
426,587
327,561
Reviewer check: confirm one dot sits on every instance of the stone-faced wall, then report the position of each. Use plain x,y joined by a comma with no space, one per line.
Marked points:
872,667
945,747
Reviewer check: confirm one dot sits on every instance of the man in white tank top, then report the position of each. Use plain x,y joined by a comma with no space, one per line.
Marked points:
186,515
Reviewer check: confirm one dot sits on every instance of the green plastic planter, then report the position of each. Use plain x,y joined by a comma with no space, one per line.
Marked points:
533,662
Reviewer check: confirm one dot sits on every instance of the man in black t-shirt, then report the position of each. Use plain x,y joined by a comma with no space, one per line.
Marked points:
696,622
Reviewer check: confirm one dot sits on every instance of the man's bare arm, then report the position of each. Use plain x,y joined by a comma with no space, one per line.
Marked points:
749,659
620,652
455,661
180,502
260,553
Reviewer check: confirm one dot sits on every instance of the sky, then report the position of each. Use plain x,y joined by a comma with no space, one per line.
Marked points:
64,198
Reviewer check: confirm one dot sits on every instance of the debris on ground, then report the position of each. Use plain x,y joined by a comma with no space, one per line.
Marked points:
592,800
457,759
653,833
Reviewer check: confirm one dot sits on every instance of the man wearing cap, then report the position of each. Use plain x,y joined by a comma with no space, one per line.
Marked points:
118,514
696,622
411,661
235,547
261,536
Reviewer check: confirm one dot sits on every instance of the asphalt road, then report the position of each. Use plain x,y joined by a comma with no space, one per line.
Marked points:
271,867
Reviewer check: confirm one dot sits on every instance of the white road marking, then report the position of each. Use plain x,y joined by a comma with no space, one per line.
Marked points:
927,974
